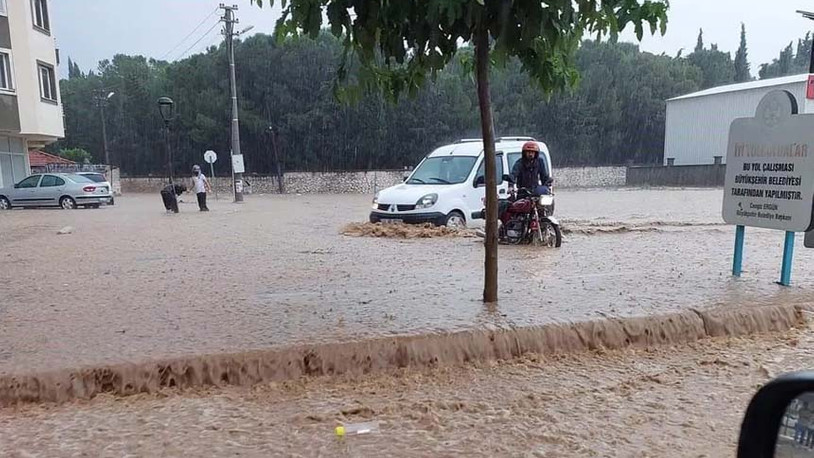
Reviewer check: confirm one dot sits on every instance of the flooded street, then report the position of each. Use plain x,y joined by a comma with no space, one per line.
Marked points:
132,283
683,401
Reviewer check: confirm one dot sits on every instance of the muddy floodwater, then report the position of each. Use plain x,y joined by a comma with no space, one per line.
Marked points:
132,283
682,401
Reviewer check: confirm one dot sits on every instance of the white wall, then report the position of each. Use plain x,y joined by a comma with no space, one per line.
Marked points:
39,120
697,128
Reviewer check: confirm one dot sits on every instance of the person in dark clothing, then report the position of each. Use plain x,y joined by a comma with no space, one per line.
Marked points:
169,194
530,171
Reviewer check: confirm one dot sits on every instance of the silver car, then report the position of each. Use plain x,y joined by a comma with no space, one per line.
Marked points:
66,190
100,180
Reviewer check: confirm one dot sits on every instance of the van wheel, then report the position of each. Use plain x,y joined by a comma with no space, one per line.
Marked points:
455,220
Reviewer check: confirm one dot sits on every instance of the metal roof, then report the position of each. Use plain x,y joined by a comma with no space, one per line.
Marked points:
759,84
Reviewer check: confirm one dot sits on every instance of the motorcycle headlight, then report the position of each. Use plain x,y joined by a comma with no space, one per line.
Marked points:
375,204
427,201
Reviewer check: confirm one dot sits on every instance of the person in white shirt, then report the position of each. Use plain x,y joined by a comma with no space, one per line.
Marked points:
201,187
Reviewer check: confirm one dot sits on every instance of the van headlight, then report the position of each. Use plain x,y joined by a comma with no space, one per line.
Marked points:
375,204
427,201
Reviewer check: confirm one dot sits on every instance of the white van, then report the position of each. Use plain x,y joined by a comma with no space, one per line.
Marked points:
447,186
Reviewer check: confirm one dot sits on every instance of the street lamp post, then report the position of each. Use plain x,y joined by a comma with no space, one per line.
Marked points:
167,109
101,101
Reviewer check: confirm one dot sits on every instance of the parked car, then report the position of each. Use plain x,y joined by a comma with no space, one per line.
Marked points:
448,185
101,180
66,190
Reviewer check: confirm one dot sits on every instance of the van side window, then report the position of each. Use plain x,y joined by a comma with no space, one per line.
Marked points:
498,169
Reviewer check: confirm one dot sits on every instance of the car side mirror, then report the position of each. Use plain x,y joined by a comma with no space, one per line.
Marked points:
405,177
480,181
17,186
780,418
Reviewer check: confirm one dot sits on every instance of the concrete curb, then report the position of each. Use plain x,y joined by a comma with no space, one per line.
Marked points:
368,356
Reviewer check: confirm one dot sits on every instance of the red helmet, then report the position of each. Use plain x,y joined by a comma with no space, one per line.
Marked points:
531,146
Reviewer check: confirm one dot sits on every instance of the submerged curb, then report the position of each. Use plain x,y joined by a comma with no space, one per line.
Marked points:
368,356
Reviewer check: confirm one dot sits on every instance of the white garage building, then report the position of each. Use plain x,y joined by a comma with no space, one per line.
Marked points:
697,124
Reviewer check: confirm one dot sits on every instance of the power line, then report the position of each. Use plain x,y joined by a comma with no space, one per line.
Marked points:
190,34
206,34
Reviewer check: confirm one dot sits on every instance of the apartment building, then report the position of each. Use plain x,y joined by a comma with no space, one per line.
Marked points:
30,103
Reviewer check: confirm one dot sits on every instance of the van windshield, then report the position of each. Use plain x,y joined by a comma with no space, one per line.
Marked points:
514,157
443,170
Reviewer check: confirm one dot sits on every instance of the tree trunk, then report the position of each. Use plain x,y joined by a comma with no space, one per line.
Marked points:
487,128
274,148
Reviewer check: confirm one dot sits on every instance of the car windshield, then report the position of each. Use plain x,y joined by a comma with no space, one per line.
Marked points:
97,177
443,170
79,178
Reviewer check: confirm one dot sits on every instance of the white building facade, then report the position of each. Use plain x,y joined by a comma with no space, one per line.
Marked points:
30,104
697,125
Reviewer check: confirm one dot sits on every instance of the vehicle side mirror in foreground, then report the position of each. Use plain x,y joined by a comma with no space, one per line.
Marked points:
507,178
405,177
779,421
480,181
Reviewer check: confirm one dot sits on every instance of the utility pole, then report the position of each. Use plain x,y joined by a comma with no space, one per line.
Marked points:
102,98
229,32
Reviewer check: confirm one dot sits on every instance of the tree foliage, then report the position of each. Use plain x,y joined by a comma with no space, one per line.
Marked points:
77,155
789,62
742,73
289,85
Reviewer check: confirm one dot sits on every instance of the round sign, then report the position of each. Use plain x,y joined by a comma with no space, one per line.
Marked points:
210,157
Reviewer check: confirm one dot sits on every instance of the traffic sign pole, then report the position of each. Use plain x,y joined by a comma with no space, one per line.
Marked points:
214,184
211,157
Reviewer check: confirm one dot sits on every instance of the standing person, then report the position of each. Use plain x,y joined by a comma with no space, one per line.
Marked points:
169,194
201,187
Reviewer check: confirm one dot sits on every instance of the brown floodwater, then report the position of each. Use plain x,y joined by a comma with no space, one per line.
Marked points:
676,401
133,283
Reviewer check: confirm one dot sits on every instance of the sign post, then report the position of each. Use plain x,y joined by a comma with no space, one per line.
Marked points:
211,157
238,168
770,175
737,261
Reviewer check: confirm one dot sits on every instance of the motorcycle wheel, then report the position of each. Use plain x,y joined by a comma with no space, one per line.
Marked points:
551,236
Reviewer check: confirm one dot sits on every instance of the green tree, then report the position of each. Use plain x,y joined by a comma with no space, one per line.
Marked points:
716,66
78,155
788,63
699,44
399,43
741,59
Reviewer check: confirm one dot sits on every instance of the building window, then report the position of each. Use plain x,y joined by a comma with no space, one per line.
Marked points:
40,10
48,82
6,75
3,8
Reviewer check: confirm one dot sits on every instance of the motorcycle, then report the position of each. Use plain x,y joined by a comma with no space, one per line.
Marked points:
525,218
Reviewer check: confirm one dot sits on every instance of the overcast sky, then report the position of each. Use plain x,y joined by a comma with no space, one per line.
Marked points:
91,30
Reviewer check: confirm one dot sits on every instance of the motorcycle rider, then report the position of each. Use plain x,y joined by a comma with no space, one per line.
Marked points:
530,171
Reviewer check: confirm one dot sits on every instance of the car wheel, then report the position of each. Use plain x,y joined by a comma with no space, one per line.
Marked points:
4,203
455,220
67,203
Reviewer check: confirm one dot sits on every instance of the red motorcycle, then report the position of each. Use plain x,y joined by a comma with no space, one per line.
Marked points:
525,218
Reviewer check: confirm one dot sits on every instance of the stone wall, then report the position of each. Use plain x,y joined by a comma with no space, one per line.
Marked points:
711,175
370,182
589,177
294,183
